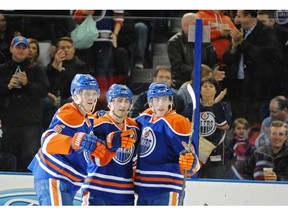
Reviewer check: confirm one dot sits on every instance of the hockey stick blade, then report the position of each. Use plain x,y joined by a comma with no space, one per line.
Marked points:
192,95
193,98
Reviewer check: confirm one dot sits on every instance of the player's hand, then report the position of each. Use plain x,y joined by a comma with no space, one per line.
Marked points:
186,160
84,142
100,150
123,139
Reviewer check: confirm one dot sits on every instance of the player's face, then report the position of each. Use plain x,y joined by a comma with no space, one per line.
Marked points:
160,105
240,130
88,100
120,106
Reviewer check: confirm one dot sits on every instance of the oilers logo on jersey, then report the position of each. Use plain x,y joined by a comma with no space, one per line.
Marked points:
148,142
207,123
123,156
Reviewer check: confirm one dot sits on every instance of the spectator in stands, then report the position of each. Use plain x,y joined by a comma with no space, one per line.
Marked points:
123,54
109,24
143,28
267,17
162,74
206,71
273,156
213,125
220,25
6,35
181,52
46,26
250,66
278,107
34,50
99,58
63,68
150,27
20,102
49,103
238,148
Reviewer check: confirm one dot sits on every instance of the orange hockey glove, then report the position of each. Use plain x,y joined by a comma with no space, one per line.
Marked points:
100,150
189,162
123,139
186,161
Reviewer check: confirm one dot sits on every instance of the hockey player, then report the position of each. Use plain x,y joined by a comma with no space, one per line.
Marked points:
163,156
113,184
60,166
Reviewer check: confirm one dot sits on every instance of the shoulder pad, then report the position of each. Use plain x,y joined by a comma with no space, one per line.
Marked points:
131,121
70,115
179,123
101,119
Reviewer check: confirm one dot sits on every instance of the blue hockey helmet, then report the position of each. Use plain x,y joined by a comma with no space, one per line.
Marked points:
117,90
84,81
159,89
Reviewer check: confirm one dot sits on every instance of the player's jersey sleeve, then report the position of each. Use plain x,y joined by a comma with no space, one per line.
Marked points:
65,123
178,130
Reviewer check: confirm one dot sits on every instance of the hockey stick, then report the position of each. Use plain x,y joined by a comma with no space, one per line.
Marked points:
189,145
193,97
237,174
196,85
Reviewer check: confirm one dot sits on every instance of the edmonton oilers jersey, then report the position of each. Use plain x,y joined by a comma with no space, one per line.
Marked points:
212,117
56,159
114,181
162,140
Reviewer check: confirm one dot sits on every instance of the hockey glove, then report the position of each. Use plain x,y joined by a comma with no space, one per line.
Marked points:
100,150
120,139
188,161
85,142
